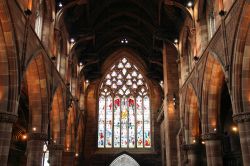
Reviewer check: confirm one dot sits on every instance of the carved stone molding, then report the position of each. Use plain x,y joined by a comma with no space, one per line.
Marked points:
241,117
56,147
211,136
8,118
38,136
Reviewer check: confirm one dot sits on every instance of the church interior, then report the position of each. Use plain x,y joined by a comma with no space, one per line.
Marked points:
124,82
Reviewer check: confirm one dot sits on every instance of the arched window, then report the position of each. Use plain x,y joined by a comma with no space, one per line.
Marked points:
124,108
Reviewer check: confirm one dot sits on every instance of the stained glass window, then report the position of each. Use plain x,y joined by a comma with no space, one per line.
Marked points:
124,108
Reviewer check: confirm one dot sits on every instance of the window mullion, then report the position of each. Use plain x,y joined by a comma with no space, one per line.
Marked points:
135,122
143,121
113,122
105,123
127,122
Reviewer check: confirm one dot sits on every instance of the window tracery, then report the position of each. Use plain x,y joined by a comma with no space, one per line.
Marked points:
124,108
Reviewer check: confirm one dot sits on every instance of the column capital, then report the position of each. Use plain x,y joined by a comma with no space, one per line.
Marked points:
56,147
38,136
241,117
211,136
8,118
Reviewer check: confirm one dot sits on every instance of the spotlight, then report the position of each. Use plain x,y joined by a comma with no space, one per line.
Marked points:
72,40
60,4
24,137
176,41
34,128
234,128
190,4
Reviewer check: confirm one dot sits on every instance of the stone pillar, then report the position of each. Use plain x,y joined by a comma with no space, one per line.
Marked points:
194,154
213,149
243,120
35,148
55,154
6,122
68,158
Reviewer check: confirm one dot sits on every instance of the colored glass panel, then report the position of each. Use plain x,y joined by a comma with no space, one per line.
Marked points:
109,123
117,113
131,124
139,122
147,132
124,122
101,124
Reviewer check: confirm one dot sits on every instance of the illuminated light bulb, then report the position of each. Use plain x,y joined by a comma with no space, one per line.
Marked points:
234,128
76,154
80,63
72,40
60,4
87,81
67,148
24,137
194,141
203,142
189,4
54,141
176,41
34,128
215,129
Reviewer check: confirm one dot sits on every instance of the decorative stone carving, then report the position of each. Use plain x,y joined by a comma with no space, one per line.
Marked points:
211,136
241,117
8,118
38,136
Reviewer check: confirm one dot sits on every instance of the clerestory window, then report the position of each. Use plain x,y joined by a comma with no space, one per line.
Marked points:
124,108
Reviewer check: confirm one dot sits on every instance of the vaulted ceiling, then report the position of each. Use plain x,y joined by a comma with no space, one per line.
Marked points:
99,26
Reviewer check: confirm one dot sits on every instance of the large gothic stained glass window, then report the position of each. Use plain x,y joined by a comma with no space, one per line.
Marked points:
124,108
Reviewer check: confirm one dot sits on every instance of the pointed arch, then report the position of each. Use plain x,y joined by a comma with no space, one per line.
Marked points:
57,117
124,160
70,129
124,100
9,86
191,115
211,90
38,94
241,44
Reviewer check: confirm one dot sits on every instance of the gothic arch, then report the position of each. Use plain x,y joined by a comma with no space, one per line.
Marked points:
240,69
191,115
9,88
71,129
57,116
38,94
124,160
211,89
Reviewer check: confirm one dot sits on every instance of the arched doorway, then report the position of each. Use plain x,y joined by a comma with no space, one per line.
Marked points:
124,160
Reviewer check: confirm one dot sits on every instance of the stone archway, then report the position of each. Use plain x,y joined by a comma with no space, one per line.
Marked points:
124,160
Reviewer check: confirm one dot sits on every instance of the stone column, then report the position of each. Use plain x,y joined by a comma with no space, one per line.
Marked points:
213,149
55,154
6,122
35,148
194,154
243,120
68,158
